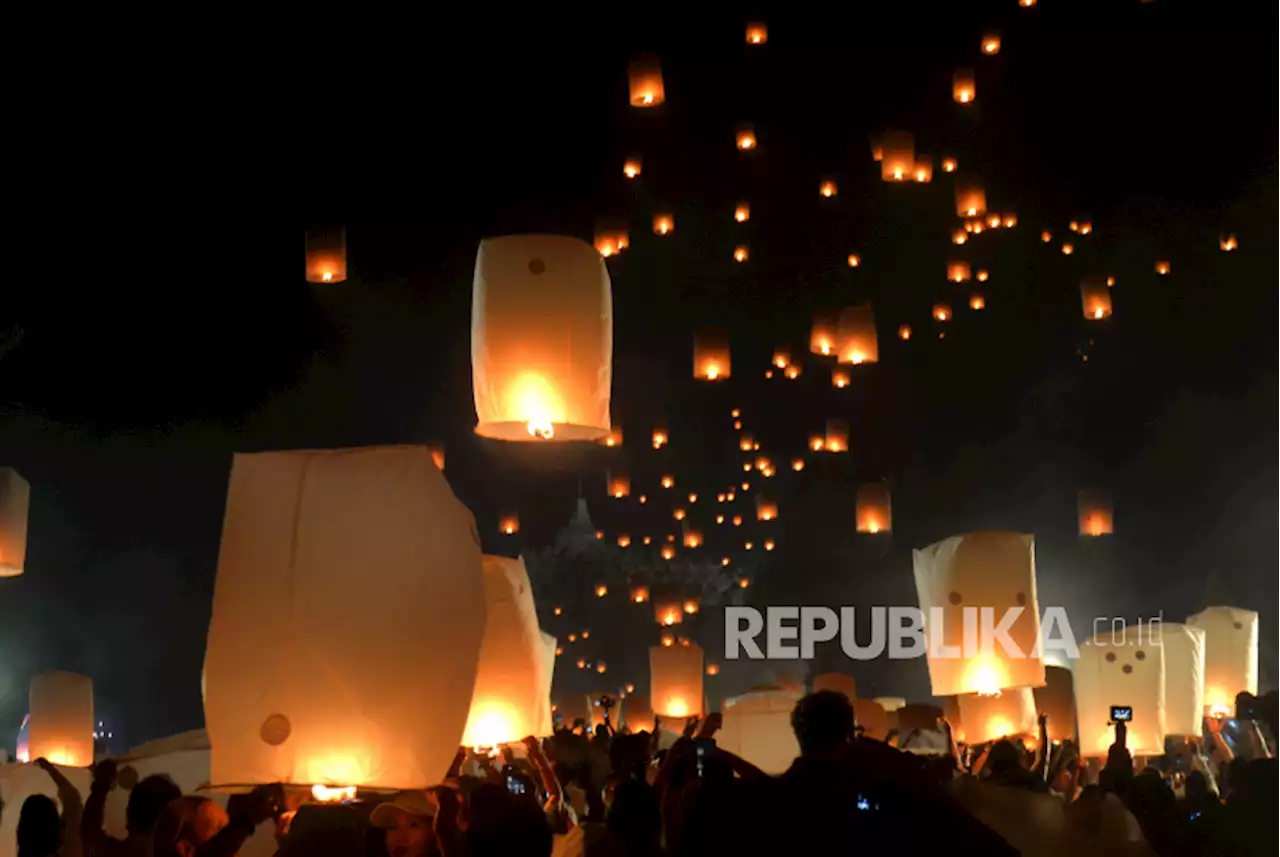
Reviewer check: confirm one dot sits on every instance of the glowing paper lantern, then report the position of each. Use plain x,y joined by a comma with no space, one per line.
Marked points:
871,719
782,357
631,167
958,272
1068,248
668,606
610,238
922,172
508,688
1093,509
838,682
757,728
1123,668
904,332
1095,298
874,510
1057,701
825,333
979,570
766,509
61,725
15,496
827,188
757,34
711,354
839,378
660,438
899,159
877,148
290,668
675,680
619,485
327,255
971,198
854,260
991,44
837,436
989,718
941,312
745,136
1227,243
509,524
1230,655
977,302
1184,649
963,87
1162,268
664,224
949,165
742,212
644,75
541,339
856,332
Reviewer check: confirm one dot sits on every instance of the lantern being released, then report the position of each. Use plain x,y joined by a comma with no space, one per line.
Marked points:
1095,514
899,158
825,333
541,339
1120,668
856,329
757,34
957,578
664,224
745,136
327,255
1095,297
509,681
15,495
971,198
837,436
675,680
874,510
992,717
1230,655
290,668
645,78
711,354
963,88
61,725
757,728
1057,701
1183,677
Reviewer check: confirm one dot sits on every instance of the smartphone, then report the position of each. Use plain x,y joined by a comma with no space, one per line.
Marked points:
515,785
1121,713
704,748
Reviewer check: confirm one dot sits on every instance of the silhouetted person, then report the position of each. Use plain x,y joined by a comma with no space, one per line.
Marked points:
39,827
146,801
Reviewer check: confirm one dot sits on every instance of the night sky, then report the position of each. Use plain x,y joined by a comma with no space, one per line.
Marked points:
166,323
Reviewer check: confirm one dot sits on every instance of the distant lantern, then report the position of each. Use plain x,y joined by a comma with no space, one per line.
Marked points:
827,188
557,610
994,220
668,481
660,440
15,495
982,276
1227,243
1068,248
854,260
645,77
963,88
877,148
991,44
874,511
1094,512
1111,281
613,438
1026,4
949,165
958,272
817,442
757,34
971,197
744,582
693,498
601,590
643,499
899,156
904,332
741,253
639,593
624,540
326,250
1074,226
922,172
837,436
941,312
711,354
977,302
679,514
663,224
1010,220
781,359
1095,298
737,520
668,606
766,509
610,239
1085,227
792,372
619,485
856,336
713,669
631,167
742,212
691,606
601,667
1046,236
544,374
599,535
1162,268
668,552
797,464
61,719
582,663
839,378
675,676
825,333
509,524
769,544
745,136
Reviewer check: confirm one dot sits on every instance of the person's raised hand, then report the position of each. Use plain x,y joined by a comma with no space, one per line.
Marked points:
690,727
262,804
44,764
710,725
104,774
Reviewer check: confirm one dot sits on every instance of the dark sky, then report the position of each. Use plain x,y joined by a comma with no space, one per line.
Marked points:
164,322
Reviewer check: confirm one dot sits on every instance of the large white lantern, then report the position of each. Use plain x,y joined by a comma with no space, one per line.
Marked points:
1183,678
541,339
62,719
15,495
546,676
675,680
757,727
959,578
1230,655
348,613
985,718
1127,669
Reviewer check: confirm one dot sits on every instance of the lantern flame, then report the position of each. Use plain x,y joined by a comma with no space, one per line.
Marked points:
327,276
332,794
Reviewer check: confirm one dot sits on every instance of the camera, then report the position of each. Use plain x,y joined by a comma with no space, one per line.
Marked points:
606,702
1121,713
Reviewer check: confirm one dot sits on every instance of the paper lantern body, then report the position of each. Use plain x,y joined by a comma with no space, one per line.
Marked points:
15,497
757,727
62,719
874,510
958,272
1184,648
541,339
856,332
872,718
963,88
644,75
989,718
766,509
1095,298
504,704
326,255
836,438
675,680
1121,669
971,198
824,337
544,722
1057,701
711,358
341,573
898,156
668,605
639,715
1094,513
1230,654
980,570
838,682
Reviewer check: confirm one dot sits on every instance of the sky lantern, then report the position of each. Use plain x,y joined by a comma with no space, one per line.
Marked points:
949,165
1184,648
856,332
61,725
991,43
992,717
746,442
541,339
15,495
675,680
994,220
1085,227
660,438
827,188
639,593
663,224
509,524
1068,248
601,590
922,171
757,33
295,710
668,552
742,212
839,378
326,255
854,260
941,312
711,354
1122,668
741,253
971,197
982,276
1162,268
899,156
745,136
877,148
1095,298
1010,220
836,438
1026,4
792,372
679,514
781,359
1046,236
1227,243
977,302
797,464
963,87
692,538
613,438
644,75
713,669
824,336
668,606
993,569
1230,656
766,509
691,606
668,481
624,540
958,271
619,484
509,684
631,166
757,728
874,510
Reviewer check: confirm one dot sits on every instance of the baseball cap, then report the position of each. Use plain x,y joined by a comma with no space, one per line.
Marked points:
412,802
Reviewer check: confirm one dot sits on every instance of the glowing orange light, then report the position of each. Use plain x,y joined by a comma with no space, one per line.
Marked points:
959,236
991,44
740,253
982,276
1162,268
1068,249
631,168
1227,243
949,165
793,372
668,481
668,552
746,138
660,440
941,312
663,224
854,260
742,213
1046,236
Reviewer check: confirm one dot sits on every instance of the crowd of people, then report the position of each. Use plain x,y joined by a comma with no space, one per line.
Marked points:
605,793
